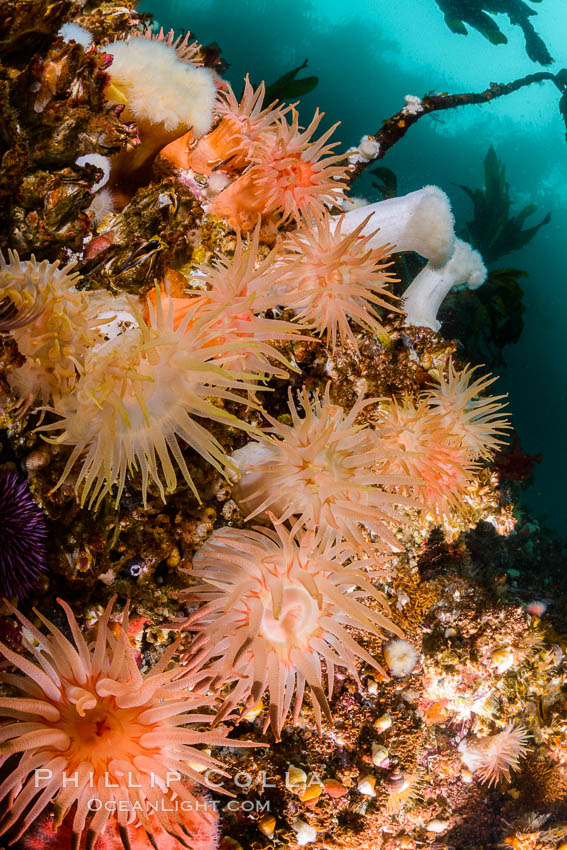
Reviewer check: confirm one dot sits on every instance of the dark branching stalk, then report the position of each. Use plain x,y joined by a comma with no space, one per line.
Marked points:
393,129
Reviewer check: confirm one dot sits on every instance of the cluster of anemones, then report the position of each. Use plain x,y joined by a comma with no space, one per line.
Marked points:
89,732
278,171
140,393
341,485
324,471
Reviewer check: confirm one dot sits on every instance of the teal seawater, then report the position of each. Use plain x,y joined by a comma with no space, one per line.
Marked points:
368,54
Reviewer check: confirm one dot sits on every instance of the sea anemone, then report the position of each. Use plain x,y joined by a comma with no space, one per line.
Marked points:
23,534
49,321
422,448
475,421
176,95
93,731
174,98
427,291
276,607
231,143
199,833
401,657
137,401
331,277
238,291
421,221
290,176
325,471
494,756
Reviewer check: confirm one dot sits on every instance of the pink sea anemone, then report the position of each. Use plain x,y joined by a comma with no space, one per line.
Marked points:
141,396
290,176
275,609
324,471
242,125
237,292
330,277
476,421
199,833
422,448
87,726
494,756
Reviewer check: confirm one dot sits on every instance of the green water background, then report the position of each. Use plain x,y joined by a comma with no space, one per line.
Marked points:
368,54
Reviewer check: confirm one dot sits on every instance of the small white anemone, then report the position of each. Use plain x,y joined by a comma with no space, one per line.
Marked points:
75,32
401,657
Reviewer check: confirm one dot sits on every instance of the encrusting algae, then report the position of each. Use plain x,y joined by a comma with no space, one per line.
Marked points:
273,493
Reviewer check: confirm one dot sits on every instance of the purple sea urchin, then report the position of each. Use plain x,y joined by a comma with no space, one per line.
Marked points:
22,537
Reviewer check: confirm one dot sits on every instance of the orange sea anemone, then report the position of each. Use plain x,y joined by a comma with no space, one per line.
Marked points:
87,729
48,318
137,403
275,609
476,421
231,143
423,449
290,176
238,292
330,277
199,832
323,471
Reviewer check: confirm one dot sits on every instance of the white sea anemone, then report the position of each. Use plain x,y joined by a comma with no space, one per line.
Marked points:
401,657
427,291
159,88
421,221
75,32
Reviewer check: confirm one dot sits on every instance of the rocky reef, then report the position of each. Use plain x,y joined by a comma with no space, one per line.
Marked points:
270,581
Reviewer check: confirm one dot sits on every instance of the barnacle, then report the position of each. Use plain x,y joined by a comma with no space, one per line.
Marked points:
138,398
87,725
275,608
